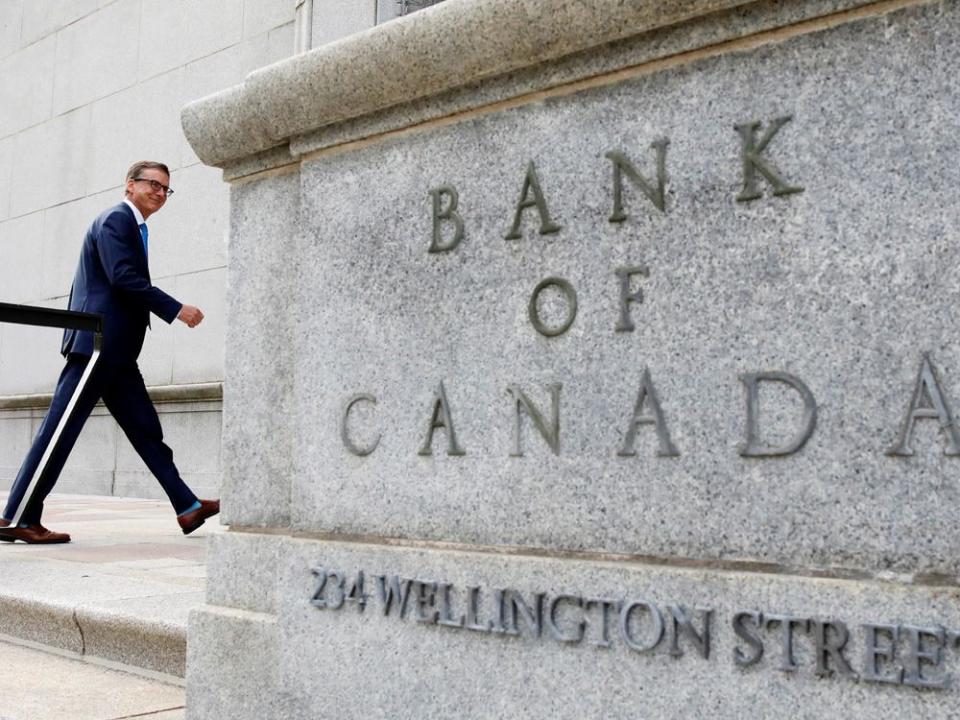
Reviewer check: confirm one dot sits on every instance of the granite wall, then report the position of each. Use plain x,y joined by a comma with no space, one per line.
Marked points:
616,361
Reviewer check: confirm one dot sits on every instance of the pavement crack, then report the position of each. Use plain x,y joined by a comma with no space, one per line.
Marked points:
83,640
150,714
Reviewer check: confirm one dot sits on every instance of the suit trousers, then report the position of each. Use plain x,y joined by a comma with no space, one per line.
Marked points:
121,387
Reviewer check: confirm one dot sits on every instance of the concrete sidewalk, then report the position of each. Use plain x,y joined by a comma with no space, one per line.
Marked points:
36,685
118,595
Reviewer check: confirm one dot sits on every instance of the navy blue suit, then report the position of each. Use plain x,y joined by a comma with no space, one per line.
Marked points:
113,279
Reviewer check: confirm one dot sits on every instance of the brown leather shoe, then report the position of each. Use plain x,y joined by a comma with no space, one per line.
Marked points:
32,534
192,520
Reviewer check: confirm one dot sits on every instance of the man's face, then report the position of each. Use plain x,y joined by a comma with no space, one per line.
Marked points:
142,194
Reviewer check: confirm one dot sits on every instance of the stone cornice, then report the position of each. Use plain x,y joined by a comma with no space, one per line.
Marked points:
450,45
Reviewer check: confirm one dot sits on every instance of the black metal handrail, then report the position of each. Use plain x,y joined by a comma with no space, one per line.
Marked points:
45,317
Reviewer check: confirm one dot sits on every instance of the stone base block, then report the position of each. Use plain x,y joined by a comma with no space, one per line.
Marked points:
232,665
408,632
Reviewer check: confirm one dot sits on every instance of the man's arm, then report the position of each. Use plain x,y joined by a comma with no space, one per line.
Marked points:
119,259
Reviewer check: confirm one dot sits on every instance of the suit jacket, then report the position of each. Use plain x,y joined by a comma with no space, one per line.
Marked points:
112,278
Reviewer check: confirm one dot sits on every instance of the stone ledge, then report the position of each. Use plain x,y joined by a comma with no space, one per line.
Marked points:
193,392
417,56
135,642
155,645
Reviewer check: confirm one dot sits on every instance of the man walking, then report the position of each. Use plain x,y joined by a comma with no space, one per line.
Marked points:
112,279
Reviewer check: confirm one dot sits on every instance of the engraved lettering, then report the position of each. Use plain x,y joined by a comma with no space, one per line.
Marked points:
532,183
648,395
472,619
340,592
534,313
753,447
317,598
393,593
927,402
753,160
440,213
830,638
624,274
551,619
656,619
425,595
571,619
550,434
441,418
787,624
445,613
622,165
682,623
517,608
344,433
605,606
356,593
919,656
498,625
748,634
873,653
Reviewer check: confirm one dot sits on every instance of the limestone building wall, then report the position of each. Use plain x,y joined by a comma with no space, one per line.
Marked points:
86,88
331,20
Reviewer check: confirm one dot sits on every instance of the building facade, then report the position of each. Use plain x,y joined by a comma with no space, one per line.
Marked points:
87,87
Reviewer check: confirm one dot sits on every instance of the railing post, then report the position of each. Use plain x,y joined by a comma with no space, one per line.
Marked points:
45,317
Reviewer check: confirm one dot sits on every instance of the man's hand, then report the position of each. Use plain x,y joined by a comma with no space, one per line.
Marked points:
190,315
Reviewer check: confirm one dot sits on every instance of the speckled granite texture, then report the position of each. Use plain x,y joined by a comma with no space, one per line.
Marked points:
306,660
459,55
844,285
412,57
806,230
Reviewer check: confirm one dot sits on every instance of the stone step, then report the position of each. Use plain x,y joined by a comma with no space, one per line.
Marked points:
128,639
119,593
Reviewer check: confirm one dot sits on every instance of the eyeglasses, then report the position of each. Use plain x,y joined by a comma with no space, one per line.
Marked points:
156,186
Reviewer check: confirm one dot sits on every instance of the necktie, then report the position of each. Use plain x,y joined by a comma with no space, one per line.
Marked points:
143,235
